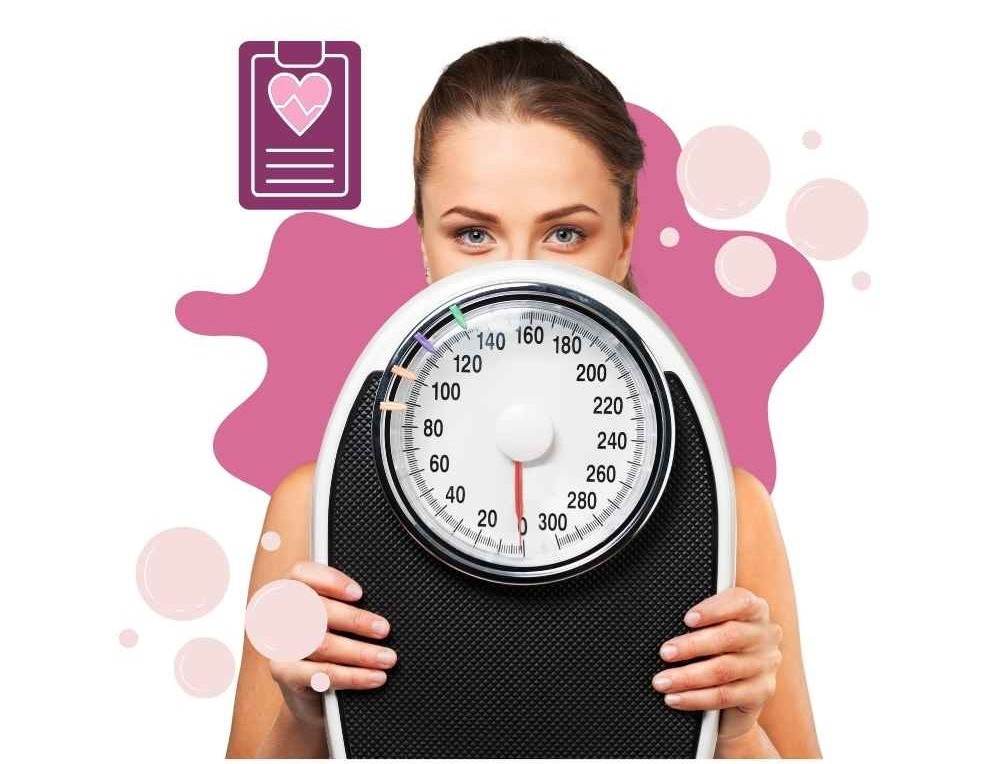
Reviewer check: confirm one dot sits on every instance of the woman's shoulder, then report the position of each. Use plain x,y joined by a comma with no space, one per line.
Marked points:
295,484
759,542
289,511
753,502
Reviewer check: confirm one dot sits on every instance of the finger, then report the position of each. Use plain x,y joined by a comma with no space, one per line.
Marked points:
745,694
298,675
720,670
341,617
327,581
728,637
351,652
736,604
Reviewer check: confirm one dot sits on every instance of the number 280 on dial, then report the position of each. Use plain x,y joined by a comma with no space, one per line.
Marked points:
524,434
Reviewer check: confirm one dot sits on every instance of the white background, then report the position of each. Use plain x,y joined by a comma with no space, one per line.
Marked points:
118,188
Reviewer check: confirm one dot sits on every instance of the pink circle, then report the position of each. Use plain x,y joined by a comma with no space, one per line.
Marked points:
670,236
723,172
270,541
182,573
861,280
320,682
286,620
204,667
745,266
827,219
811,139
128,638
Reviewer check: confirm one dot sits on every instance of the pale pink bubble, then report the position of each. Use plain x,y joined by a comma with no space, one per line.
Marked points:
270,541
182,573
811,139
745,266
723,172
861,280
670,236
286,620
128,638
320,682
827,219
204,667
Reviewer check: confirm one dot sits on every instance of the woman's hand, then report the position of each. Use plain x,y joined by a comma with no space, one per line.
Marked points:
351,664
739,645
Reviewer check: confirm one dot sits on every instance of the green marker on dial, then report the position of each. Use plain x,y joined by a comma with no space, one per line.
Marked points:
459,316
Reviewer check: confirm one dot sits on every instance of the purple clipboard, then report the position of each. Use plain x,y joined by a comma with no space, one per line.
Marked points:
300,125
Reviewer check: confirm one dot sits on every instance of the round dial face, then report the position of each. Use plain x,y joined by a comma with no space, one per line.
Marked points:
524,433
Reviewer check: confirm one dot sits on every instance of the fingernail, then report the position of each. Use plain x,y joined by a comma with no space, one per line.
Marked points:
692,618
661,682
380,627
668,651
376,679
353,590
385,657
671,699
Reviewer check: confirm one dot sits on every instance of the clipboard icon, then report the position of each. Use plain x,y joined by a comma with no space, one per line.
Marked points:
300,125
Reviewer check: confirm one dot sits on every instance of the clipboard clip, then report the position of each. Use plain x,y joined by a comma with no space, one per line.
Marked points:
299,54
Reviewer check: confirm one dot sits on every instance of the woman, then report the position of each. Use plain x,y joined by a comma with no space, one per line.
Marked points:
523,150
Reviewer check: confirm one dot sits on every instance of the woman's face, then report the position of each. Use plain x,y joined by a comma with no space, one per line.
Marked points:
509,190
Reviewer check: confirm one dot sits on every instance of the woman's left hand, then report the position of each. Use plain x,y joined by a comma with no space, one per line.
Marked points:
733,631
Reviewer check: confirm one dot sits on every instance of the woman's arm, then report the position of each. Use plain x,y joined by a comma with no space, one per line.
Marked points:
747,637
258,698
785,727
277,714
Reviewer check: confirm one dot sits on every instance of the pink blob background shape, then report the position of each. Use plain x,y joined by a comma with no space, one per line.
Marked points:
329,284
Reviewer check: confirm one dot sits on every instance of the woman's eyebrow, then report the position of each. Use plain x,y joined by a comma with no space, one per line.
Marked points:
562,211
471,213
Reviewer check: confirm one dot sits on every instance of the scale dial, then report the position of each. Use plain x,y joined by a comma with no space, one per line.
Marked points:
524,433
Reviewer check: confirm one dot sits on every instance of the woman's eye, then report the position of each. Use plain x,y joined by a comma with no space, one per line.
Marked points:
566,236
473,237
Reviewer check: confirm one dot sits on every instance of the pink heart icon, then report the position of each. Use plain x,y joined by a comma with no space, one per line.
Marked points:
299,102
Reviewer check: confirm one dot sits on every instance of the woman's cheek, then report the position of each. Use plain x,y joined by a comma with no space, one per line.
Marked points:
448,259
597,259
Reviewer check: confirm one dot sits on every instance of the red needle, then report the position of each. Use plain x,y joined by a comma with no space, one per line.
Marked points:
519,494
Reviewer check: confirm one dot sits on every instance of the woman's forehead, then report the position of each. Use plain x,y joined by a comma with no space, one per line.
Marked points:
509,164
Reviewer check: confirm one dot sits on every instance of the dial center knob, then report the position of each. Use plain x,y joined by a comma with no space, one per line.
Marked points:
524,432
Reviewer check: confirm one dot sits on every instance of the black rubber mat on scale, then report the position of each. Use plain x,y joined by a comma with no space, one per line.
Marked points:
555,670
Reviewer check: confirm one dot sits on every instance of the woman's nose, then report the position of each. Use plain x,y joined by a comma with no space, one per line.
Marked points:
521,250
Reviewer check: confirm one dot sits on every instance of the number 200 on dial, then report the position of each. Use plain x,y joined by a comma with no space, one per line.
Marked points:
524,434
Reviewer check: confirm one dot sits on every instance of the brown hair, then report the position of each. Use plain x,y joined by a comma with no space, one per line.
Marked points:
526,78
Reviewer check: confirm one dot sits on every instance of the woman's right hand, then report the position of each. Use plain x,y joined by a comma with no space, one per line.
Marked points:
351,664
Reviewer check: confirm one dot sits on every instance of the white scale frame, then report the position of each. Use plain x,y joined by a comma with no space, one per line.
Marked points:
666,353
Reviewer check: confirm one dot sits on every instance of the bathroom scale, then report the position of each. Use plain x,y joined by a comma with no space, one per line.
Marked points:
527,476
